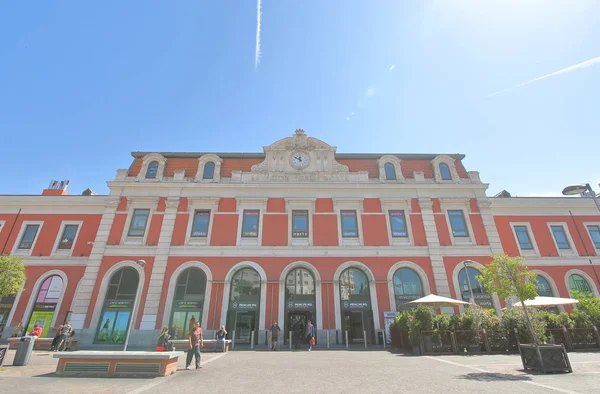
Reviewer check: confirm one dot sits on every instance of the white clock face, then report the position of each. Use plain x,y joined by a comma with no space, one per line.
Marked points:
299,160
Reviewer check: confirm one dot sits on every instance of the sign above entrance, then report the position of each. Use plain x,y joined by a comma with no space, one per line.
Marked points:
244,305
189,305
127,304
356,305
44,307
300,305
483,300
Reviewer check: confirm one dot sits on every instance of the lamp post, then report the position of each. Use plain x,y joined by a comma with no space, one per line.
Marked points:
579,189
469,280
142,264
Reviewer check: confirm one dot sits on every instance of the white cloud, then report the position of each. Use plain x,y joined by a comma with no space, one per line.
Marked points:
370,92
257,48
393,67
578,66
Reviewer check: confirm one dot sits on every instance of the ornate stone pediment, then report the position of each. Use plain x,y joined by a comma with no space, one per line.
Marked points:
300,158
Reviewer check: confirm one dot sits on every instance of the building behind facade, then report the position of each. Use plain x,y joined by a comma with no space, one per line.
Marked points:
296,232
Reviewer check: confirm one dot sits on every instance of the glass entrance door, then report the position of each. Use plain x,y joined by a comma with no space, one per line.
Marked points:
303,318
244,324
353,324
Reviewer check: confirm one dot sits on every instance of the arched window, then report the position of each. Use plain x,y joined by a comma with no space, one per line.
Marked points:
244,305
188,301
299,299
118,306
152,170
445,172
46,300
543,287
355,300
353,284
390,172
299,282
209,170
578,283
407,287
6,305
482,299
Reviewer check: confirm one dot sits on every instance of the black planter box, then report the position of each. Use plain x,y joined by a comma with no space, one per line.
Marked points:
545,358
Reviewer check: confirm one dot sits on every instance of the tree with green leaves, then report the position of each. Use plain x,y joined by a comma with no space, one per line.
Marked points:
12,275
509,277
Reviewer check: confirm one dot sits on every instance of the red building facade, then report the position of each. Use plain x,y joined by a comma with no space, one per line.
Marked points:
296,232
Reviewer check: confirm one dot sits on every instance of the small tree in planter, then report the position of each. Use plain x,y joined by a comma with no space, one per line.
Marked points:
509,277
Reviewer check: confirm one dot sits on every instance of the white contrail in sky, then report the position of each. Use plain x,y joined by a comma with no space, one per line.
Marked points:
393,67
578,66
257,49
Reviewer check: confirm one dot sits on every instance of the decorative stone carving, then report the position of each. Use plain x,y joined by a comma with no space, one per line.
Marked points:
146,160
122,175
419,176
474,176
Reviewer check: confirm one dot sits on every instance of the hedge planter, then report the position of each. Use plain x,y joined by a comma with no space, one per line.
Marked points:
545,358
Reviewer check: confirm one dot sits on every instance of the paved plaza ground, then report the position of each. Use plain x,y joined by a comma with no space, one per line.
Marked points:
332,371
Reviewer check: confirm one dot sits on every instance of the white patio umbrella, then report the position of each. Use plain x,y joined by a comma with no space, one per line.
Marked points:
548,301
437,301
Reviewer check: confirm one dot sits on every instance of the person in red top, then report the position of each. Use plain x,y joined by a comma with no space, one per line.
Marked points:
36,332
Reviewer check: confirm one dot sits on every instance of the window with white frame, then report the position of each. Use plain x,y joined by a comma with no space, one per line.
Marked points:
139,221
209,170
300,226
390,172
523,237
68,237
152,170
594,231
560,237
28,237
398,226
250,223
445,172
349,224
200,223
458,223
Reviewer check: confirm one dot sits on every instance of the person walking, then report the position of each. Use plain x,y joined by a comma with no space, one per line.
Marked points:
297,333
195,342
163,340
310,335
65,334
274,335
220,338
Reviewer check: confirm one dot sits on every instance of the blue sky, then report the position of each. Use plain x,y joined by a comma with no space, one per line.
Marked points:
83,84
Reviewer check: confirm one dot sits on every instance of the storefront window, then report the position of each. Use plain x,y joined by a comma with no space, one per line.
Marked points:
482,299
118,306
353,284
45,304
543,287
244,304
579,284
299,282
407,287
188,301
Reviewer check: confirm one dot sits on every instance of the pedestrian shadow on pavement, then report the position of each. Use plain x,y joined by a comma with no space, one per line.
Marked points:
493,377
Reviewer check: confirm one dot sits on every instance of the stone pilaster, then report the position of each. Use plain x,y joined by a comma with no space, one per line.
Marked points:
490,226
437,262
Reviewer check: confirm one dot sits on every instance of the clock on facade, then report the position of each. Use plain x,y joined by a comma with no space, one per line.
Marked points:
299,160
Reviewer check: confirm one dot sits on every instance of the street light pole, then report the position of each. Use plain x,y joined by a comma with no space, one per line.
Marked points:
469,282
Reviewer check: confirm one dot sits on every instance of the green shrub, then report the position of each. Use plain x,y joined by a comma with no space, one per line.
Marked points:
590,306
421,319
401,321
557,320
581,319
441,322
515,318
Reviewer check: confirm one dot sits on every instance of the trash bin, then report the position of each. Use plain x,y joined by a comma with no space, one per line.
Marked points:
3,351
24,348
380,337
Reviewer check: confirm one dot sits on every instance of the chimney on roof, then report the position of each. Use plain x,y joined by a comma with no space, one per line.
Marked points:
503,194
56,188
89,192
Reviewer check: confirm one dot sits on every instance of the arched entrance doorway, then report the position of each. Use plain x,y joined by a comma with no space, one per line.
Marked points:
46,301
480,296
355,305
6,305
188,301
300,300
244,305
118,307
407,287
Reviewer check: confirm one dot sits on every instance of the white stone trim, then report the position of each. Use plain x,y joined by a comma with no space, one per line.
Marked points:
585,276
318,293
535,252
201,204
451,166
372,292
388,205
36,289
202,161
298,204
410,265
101,295
587,230
457,292
132,205
171,291
27,252
146,160
259,204
66,252
572,251
396,162
349,204
263,291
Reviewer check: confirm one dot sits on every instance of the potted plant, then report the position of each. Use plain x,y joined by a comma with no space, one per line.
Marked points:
509,277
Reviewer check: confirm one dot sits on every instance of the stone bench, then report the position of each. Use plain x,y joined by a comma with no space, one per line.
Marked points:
209,345
117,363
40,343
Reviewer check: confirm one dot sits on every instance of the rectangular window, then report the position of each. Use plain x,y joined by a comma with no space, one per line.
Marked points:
29,236
458,224
300,223
349,224
200,224
523,238
595,234
68,237
137,228
250,223
560,237
398,224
